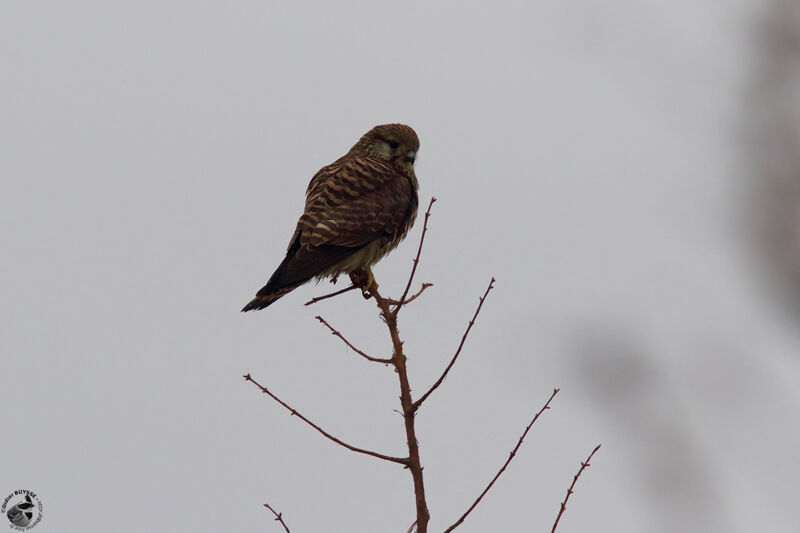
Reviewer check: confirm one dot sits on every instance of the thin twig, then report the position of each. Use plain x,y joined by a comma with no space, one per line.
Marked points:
349,345
402,300
400,460
331,295
584,465
411,298
502,469
278,517
458,351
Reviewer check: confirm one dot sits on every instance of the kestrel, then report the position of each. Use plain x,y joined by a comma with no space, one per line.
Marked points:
357,210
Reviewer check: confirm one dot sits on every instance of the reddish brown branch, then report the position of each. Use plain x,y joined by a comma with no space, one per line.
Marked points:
349,345
278,517
411,298
331,295
403,300
399,361
458,351
570,490
502,468
400,460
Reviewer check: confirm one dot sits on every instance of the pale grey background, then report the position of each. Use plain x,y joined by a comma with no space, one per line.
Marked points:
596,157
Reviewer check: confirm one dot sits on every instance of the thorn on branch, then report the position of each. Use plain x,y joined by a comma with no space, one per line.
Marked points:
278,517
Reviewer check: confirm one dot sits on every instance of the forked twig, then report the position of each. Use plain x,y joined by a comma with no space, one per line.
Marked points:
502,468
411,298
458,351
403,300
278,517
331,295
349,345
400,460
584,465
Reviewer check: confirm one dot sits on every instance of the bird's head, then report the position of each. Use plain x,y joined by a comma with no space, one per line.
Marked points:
394,143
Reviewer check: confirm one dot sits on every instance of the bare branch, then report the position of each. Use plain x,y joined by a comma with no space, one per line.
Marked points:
278,517
402,300
411,298
414,464
331,295
458,351
400,460
502,468
584,465
349,345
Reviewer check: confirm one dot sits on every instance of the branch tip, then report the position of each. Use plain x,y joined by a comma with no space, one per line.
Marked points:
570,490
331,295
505,465
402,300
327,435
350,345
471,323
278,517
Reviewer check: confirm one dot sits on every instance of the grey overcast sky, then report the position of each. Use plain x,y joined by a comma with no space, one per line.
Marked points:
589,155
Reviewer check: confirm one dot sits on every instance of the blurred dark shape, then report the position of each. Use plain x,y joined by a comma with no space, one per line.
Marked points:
612,365
771,152
666,461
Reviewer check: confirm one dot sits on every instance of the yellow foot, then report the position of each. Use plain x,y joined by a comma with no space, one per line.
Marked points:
363,279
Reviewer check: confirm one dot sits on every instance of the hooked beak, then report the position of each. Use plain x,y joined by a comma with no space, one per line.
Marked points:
411,156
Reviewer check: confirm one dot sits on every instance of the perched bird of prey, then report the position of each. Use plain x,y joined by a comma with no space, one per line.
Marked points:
357,210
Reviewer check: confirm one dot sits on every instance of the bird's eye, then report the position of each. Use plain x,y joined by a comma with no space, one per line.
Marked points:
393,145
